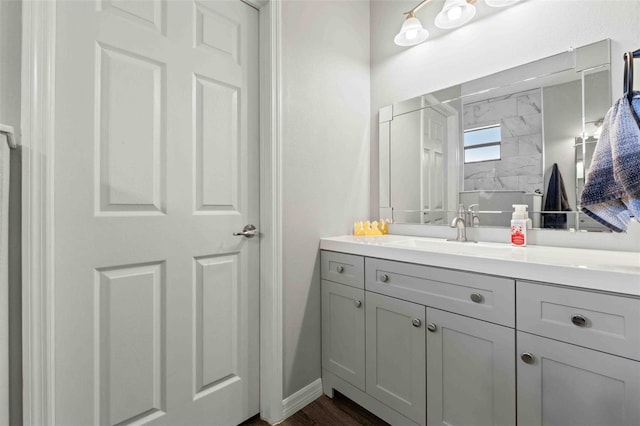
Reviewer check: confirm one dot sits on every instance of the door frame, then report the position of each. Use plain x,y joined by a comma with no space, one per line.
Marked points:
38,268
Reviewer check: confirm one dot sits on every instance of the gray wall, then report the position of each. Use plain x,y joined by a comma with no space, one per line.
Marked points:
10,57
325,70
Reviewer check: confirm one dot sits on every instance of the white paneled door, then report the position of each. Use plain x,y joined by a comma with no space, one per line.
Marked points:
155,317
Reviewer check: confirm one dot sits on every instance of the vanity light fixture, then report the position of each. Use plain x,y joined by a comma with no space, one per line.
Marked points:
454,13
412,31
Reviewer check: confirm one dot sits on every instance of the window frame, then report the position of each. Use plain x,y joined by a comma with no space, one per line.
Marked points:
482,145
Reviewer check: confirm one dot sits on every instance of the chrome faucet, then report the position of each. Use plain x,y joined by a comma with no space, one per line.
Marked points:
460,224
472,218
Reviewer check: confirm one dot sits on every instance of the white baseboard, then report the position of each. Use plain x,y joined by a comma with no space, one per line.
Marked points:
301,399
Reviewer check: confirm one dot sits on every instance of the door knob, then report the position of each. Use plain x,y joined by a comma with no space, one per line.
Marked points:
384,278
357,303
416,322
432,327
340,269
248,231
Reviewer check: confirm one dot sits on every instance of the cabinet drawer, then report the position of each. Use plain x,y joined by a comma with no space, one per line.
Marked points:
342,268
600,321
480,296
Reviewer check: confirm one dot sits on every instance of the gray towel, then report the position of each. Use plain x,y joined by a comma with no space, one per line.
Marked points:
611,194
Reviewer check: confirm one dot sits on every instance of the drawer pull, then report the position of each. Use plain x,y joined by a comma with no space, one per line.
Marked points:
416,322
579,320
432,327
527,358
477,298
384,278
340,269
357,303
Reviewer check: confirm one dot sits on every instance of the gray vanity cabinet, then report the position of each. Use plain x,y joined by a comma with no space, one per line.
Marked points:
470,371
395,342
560,384
343,332
419,345
578,357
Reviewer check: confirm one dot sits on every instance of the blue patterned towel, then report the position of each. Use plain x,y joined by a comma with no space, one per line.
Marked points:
611,193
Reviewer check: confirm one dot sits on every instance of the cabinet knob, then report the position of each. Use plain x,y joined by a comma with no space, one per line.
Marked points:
527,358
432,327
384,278
340,269
416,322
477,297
579,320
357,303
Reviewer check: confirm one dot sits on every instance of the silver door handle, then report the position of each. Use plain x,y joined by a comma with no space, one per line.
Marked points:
248,231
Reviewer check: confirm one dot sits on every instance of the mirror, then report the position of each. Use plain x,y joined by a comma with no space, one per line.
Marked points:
524,135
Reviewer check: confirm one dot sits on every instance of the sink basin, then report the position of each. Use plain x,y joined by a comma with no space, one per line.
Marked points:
443,246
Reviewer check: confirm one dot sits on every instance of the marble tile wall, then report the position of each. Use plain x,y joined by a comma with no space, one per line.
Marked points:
520,166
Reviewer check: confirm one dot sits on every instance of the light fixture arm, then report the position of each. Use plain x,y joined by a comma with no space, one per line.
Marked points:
423,3
412,12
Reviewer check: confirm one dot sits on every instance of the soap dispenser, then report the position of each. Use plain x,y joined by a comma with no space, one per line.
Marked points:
519,225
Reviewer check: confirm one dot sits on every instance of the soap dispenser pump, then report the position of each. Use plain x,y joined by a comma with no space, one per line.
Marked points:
519,225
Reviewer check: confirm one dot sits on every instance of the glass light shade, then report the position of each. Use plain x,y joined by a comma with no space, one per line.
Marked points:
411,33
500,3
455,13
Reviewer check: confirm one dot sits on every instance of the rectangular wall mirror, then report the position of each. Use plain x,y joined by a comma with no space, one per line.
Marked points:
513,137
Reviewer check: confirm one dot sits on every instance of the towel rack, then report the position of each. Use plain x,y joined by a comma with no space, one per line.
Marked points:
8,130
628,73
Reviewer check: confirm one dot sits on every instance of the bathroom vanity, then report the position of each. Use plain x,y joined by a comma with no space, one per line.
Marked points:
422,331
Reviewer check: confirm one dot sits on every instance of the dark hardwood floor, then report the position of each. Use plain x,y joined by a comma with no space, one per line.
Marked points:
339,411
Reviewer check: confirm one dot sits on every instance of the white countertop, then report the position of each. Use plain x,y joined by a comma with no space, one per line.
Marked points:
605,270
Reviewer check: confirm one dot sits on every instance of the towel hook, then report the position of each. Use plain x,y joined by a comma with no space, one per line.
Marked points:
8,130
628,73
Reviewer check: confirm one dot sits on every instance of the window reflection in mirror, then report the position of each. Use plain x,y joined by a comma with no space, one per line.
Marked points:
482,144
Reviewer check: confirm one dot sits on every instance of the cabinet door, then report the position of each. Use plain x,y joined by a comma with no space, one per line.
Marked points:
343,332
396,355
471,372
560,384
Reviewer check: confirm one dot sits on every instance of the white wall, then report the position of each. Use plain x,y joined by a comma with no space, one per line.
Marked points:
325,70
520,34
10,298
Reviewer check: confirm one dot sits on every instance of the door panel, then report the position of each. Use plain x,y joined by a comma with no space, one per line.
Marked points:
567,385
216,145
434,146
471,377
130,132
156,165
343,351
395,357
130,313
